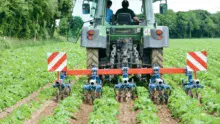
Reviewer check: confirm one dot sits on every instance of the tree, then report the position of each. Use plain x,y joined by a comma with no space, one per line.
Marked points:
63,26
182,24
203,21
193,23
70,27
32,18
216,20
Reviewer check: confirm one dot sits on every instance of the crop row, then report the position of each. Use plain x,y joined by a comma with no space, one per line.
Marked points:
22,113
186,108
64,112
148,111
105,109
210,97
177,58
24,70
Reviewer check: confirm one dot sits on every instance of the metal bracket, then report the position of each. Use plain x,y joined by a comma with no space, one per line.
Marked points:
94,72
189,74
125,72
156,72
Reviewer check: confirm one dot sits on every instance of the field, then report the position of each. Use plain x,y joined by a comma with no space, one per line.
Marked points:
27,95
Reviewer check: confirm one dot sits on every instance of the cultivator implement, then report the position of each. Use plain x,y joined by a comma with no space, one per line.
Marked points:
126,87
125,90
63,89
191,86
159,90
93,88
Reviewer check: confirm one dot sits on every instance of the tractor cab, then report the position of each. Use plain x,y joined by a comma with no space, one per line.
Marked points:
123,41
97,11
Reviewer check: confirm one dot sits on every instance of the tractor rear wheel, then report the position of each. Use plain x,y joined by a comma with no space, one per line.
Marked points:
92,57
157,57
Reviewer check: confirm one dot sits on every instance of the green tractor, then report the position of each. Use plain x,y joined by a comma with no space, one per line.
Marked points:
124,42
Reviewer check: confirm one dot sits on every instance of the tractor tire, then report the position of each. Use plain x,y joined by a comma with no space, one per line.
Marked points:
157,57
92,57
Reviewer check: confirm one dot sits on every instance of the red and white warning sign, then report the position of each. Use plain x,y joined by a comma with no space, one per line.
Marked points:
197,61
57,61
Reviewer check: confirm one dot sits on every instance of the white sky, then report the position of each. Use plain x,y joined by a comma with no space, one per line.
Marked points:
176,5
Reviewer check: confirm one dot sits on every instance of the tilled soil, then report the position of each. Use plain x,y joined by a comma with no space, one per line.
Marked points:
82,116
165,115
45,110
126,114
32,96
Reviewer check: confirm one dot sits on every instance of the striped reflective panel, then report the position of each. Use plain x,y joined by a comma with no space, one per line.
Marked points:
57,61
197,61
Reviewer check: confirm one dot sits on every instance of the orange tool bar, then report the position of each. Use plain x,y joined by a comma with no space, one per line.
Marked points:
130,71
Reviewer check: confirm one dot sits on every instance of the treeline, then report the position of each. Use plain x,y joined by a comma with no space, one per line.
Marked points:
191,24
32,18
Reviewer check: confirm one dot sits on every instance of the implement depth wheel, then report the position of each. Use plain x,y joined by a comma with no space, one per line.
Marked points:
92,58
157,57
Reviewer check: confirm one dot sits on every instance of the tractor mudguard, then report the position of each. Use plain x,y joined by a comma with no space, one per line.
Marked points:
151,41
99,39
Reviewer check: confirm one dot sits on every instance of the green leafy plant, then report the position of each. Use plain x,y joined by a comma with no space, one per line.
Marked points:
148,110
105,109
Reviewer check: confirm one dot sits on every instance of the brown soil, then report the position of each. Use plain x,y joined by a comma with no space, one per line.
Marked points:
126,114
165,115
45,110
82,116
32,96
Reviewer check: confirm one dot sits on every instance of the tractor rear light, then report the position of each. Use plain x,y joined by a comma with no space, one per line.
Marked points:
90,37
160,37
91,32
159,32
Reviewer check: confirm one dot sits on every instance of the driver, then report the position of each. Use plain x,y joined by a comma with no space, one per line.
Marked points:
109,12
124,9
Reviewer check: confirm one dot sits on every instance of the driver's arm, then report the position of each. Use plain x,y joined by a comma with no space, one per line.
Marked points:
134,17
